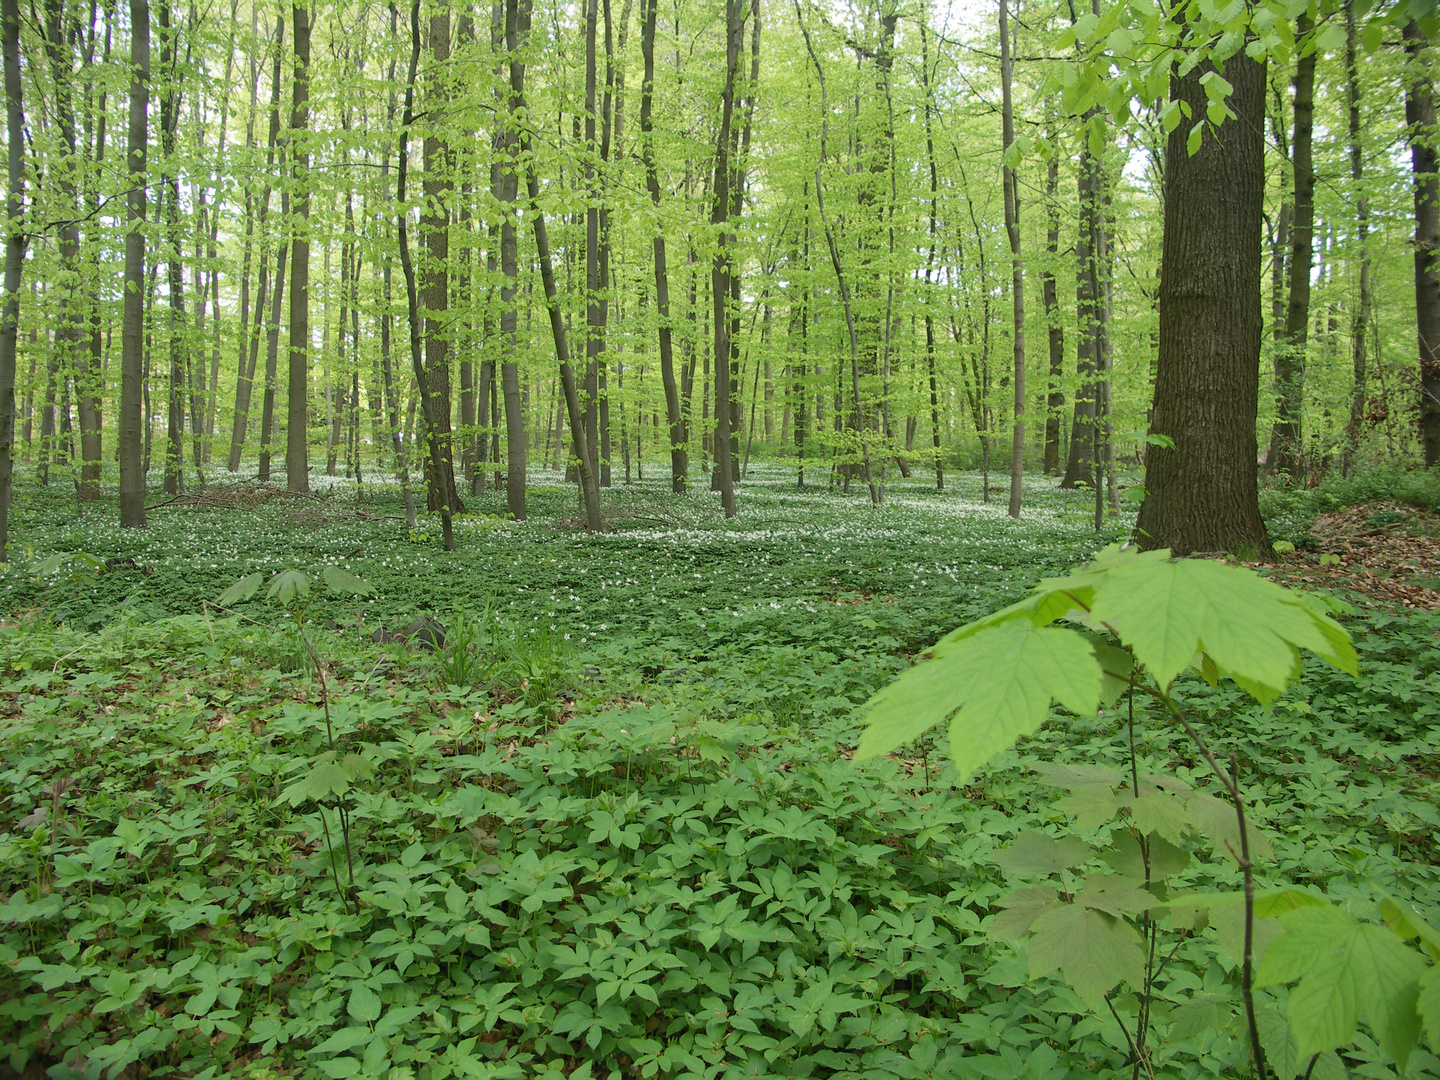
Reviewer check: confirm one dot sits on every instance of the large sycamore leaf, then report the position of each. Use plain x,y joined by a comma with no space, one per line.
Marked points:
1035,853
1093,950
1251,628
1001,680
1345,966
241,591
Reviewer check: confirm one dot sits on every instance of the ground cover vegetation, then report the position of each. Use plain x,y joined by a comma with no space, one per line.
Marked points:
611,824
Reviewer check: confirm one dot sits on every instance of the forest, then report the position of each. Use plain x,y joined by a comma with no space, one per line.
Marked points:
716,540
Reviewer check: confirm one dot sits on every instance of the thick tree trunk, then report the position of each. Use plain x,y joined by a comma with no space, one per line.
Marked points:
297,450
131,436
1420,115
1203,495
1286,438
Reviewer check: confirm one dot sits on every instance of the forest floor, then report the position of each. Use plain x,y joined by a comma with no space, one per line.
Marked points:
610,827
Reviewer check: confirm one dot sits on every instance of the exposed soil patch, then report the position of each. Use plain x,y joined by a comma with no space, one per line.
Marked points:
1386,551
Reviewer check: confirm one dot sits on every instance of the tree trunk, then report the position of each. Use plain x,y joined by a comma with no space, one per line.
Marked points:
297,464
417,363
174,272
1202,496
1055,400
15,254
435,276
1360,321
131,436
720,270
679,437
1286,438
1017,266
509,178
1420,115
1081,466
70,331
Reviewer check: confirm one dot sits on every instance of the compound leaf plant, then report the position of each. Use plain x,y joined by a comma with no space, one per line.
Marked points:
1130,623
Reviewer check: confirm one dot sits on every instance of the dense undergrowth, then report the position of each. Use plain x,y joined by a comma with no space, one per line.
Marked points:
611,827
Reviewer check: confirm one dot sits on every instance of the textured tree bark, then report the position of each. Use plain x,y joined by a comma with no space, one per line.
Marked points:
174,272
297,450
1202,496
509,291
1286,437
1055,399
1420,115
1360,321
679,436
412,299
15,252
70,331
1017,266
435,275
720,270
132,362
1080,467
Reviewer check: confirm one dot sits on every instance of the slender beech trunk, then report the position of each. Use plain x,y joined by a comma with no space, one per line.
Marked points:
91,393
1420,115
1081,463
244,376
509,179
1055,401
720,270
435,275
427,400
170,104
679,437
933,230
1360,321
70,330
297,450
131,436
1286,437
517,28
14,258
838,266
1017,266
594,304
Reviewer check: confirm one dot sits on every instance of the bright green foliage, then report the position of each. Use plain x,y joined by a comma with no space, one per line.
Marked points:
508,867
1003,671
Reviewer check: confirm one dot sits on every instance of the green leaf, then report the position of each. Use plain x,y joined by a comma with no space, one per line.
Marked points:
1114,894
1217,822
1169,611
1093,950
1157,811
288,586
241,591
1406,921
1125,857
325,778
1192,141
1019,910
1093,805
1001,680
1344,966
342,581
1035,853
1428,1004
1372,36
364,1004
